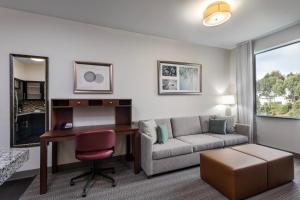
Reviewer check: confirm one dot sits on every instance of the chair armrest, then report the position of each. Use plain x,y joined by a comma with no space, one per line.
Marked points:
146,153
243,129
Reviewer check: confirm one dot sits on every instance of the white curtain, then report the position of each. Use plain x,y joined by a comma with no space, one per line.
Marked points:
243,61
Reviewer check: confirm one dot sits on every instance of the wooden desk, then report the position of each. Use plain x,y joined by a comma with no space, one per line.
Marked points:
62,113
63,135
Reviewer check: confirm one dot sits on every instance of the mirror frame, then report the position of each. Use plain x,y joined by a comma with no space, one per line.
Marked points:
11,76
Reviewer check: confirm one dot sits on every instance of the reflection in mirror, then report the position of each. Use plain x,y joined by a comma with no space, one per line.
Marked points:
29,110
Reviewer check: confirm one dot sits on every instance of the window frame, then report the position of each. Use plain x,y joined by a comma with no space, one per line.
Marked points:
254,81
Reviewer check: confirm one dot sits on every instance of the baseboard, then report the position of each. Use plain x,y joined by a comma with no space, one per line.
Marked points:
62,167
70,166
24,174
77,165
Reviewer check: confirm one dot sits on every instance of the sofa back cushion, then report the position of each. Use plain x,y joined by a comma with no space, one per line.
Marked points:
185,126
204,121
166,122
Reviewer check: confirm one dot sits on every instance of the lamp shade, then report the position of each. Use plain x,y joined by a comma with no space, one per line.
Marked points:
216,14
228,100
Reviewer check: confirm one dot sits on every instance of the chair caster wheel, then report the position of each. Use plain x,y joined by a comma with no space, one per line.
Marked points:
114,185
72,183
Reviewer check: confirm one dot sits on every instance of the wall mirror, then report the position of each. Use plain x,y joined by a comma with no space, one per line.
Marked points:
29,99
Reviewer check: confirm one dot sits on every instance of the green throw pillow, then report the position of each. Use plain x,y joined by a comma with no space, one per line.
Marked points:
162,134
217,126
229,122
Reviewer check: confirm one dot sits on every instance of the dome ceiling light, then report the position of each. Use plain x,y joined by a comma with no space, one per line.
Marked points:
216,13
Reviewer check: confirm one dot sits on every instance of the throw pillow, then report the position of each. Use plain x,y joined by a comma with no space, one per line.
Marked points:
162,134
229,123
217,126
204,121
149,128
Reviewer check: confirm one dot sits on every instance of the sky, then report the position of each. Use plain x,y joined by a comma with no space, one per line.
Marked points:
285,59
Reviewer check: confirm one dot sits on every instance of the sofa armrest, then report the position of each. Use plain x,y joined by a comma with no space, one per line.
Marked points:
243,129
146,154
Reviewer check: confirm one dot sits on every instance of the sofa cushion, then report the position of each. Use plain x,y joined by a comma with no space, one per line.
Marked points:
231,138
167,122
201,142
173,147
186,126
204,121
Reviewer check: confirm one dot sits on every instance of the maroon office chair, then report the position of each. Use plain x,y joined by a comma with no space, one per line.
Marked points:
94,146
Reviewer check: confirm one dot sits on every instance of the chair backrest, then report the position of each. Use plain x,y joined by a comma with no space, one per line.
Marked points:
95,140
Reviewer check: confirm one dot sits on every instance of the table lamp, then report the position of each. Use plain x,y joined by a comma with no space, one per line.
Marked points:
228,100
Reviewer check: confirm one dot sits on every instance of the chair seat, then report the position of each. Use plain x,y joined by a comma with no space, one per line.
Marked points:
94,155
231,139
201,142
173,147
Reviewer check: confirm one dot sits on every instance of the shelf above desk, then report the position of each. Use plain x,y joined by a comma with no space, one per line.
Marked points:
62,110
70,103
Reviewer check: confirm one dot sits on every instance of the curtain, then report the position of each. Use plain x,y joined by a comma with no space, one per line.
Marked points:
243,61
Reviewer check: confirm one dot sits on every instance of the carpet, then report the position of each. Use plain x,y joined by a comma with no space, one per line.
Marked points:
183,184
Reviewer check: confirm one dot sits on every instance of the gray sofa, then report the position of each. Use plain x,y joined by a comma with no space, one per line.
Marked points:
187,137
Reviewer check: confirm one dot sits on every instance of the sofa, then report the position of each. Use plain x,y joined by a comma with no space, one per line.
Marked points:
187,137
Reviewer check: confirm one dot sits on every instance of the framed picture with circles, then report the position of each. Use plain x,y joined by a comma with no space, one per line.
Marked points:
93,77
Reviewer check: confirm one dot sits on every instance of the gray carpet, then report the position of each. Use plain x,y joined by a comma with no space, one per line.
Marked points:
183,184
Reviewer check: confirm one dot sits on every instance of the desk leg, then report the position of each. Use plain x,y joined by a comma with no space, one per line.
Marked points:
128,147
43,167
137,152
54,157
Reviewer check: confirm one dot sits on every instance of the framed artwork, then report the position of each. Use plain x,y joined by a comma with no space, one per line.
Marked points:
179,78
93,77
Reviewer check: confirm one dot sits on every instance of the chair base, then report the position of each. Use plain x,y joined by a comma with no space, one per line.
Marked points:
91,176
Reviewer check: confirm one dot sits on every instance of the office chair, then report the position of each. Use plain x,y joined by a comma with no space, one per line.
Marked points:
94,146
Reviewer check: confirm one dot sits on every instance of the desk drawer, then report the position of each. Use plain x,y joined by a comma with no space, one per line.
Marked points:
79,103
110,102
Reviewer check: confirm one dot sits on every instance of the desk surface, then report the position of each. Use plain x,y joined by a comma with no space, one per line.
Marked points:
119,129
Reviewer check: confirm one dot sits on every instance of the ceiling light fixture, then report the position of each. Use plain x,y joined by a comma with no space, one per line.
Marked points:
216,14
37,59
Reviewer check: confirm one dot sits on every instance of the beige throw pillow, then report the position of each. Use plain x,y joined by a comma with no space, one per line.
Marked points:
149,128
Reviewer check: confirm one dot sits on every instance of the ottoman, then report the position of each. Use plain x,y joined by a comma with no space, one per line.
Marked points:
280,163
234,174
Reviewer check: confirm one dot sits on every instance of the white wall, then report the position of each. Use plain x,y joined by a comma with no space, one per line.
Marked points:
134,57
280,38
18,69
279,133
35,72
29,72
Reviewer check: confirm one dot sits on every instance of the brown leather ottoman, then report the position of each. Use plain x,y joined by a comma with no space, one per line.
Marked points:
235,174
280,163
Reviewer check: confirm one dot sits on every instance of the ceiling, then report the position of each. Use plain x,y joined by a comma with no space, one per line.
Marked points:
175,19
28,61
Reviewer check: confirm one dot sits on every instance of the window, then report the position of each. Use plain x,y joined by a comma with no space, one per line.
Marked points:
278,82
